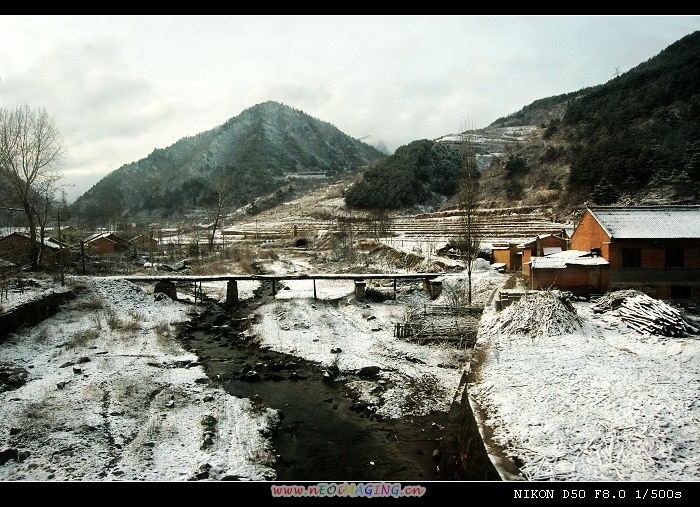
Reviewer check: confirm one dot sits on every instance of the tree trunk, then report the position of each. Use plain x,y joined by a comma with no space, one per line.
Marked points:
469,291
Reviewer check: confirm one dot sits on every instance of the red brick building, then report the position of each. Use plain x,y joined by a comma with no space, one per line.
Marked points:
106,243
577,271
655,249
144,243
517,257
16,248
507,254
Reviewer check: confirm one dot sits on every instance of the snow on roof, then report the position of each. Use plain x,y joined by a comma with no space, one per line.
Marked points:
551,250
547,263
47,241
641,222
99,236
539,236
109,236
566,258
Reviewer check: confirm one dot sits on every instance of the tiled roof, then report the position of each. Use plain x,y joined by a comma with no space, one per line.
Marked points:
47,241
647,222
109,236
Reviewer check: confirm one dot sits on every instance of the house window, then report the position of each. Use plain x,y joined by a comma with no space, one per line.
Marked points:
675,257
680,292
631,257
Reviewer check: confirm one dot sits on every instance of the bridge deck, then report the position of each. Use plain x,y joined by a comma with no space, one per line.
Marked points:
291,276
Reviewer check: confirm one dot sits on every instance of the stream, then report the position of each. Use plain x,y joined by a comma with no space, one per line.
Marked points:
324,433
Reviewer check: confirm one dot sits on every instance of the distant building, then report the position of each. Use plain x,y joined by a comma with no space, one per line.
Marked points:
508,255
541,246
654,249
517,256
106,243
16,248
7,269
144,243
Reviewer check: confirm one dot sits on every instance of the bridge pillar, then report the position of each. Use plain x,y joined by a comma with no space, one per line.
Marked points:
231,293
360,288
167,288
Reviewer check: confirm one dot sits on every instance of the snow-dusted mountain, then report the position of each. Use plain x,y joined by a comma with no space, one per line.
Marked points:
253,154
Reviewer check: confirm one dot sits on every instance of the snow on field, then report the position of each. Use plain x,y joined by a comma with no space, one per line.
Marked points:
27,291
597,403
110,395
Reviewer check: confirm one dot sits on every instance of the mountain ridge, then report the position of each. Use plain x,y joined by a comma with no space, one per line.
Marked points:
631,140
252,153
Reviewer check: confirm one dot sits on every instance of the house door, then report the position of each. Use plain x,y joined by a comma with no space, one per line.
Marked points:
594,279
517,261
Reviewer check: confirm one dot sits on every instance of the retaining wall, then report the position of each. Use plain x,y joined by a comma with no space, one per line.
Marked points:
468,458
32,312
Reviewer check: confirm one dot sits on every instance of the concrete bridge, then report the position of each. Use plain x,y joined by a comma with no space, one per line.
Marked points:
165,283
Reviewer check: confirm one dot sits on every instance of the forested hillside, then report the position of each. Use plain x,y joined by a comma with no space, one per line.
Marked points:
633,139
414,174
642,129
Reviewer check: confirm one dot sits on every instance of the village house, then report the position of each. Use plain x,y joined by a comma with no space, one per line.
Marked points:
516,257
144,243
16,248
507,256
582,273
106,243
654,249
541,246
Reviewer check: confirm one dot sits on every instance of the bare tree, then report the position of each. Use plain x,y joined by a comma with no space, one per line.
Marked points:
379,223
468,240
30,149
44,203
223,199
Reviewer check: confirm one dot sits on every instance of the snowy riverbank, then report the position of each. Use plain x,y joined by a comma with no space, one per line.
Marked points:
109,394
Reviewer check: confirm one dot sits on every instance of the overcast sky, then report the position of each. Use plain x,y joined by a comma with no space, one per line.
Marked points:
120,86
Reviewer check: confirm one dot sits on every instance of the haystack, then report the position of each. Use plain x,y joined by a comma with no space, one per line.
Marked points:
541,314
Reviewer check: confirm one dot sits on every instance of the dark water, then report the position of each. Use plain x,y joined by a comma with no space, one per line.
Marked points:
324,434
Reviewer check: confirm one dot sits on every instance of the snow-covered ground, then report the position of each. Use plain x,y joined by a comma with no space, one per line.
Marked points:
111,395
599,402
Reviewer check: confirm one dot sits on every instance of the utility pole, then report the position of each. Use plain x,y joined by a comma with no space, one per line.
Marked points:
82,254
150,245
60,249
